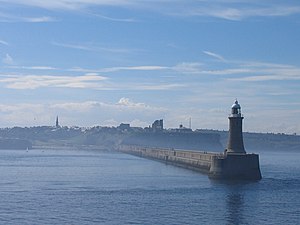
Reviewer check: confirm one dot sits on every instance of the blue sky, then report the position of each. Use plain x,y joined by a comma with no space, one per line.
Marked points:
103,62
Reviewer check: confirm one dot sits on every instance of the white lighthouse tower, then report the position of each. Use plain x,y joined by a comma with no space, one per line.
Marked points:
235,139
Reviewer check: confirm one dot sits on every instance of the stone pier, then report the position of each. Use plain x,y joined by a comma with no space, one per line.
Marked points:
215,165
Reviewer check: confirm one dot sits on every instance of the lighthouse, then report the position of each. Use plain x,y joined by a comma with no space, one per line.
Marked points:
235,137
235,164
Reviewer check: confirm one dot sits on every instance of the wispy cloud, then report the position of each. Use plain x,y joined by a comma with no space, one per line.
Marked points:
188,67
4,43
236,10
113,19
78,106
8,59
33,67
37,81
70,4
120,68
158,87
228,10
37,19
214,55
184,68
233,71
24,114
74,46
81,6
230,70
88,81
268,72
138,68
128,68
10,18
241,70
94,48
124,110
123,103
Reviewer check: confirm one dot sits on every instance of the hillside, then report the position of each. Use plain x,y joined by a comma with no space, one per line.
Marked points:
109,137
263,141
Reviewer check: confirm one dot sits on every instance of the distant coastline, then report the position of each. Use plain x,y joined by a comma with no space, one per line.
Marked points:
15,143
106,138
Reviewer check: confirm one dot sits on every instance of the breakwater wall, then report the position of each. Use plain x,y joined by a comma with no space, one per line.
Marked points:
216,165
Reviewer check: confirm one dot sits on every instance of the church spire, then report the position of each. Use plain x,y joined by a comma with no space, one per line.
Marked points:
57,123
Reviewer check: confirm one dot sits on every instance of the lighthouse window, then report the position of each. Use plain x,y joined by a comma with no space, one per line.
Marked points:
234,111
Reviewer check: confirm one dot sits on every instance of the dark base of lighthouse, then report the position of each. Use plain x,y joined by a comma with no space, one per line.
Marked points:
235,167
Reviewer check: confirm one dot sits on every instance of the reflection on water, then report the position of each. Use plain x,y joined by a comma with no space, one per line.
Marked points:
235,208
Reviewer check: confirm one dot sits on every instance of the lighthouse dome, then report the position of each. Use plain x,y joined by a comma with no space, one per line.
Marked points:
236,105
236,109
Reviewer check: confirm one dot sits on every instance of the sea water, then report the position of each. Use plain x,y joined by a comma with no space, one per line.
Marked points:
94,187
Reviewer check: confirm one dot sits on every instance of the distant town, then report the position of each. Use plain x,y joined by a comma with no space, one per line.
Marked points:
106,138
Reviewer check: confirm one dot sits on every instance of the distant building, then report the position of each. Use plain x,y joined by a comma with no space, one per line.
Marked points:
158,125
124,126
182,129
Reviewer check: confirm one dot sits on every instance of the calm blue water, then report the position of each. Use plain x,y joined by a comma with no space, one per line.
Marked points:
89,187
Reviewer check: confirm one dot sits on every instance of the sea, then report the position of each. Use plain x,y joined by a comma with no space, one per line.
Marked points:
96,187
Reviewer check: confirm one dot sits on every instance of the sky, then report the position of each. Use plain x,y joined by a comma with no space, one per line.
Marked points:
106,62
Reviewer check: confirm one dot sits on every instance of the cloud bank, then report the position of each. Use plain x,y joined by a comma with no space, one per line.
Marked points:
90,112
37,81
